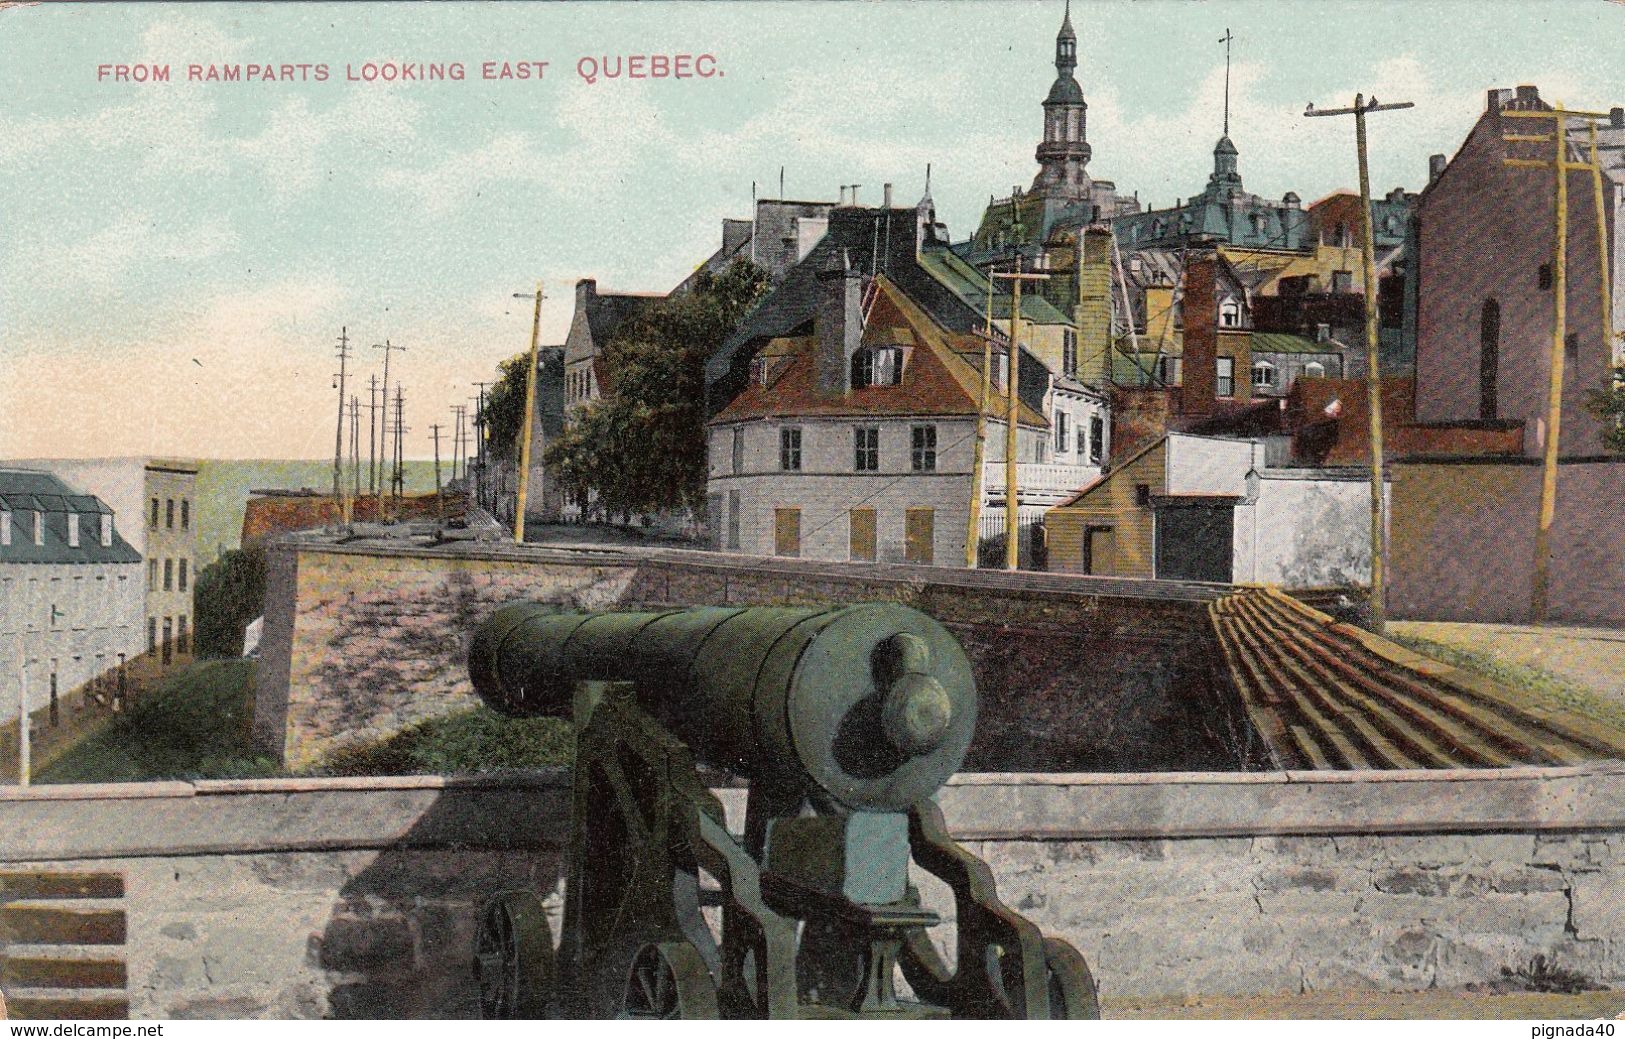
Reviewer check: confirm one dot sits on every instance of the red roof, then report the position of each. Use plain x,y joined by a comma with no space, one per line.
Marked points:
936,379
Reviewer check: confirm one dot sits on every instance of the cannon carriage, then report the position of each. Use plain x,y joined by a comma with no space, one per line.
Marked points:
843,721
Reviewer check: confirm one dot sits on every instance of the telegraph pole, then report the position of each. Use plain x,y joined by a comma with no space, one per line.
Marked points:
439,501
397,481
383,420
1561,166
973,536
372,435
338,430
480,479
1012,553
1373,374
526,428
355,446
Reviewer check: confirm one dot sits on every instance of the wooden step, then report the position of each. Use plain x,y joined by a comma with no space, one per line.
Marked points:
20,884
62,971
30,1004
53,923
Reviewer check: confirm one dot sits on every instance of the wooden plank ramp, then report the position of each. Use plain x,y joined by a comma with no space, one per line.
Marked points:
62,937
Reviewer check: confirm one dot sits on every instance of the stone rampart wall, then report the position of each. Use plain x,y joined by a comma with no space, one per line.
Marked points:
357,898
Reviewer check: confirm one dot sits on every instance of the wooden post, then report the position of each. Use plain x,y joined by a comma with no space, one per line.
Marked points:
973,535
527,427
1540,593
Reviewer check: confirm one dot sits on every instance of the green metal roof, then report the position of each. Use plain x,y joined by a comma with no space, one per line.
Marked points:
971,285
1289,343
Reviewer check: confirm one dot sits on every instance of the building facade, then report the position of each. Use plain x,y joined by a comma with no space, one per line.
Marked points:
154,502
71,597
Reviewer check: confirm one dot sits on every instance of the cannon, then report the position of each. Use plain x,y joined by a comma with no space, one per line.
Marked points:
842,721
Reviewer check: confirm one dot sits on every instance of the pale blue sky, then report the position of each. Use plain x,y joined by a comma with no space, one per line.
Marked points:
178,257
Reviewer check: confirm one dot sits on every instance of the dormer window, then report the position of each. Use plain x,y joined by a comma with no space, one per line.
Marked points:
73,530
5,528
1229,313
107,531
1257,220
758,371
877,366
39,528
1263,375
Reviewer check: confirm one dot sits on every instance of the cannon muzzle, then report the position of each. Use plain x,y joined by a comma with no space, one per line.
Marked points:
869,707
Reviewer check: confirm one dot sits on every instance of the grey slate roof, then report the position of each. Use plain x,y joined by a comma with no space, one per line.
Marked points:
23,492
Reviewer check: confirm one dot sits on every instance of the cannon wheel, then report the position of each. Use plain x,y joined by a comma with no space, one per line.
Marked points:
513,958
669,982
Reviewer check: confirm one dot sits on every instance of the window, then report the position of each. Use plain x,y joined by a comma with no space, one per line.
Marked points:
152,575
186,514
168,644
1489,357
182,637
1230,313
181,582
1097,439
1314,370
733,520
56,717
1142,494
790,450
39,528
1264,375
738,450
152,634
153,523
1069,353
1342,281
169,513
1545,276
923,449
877,366
1063,432
866,449
1001,366
1226,383
861,535
5,528
1257,221
1170,370
169,574
73,530
107,530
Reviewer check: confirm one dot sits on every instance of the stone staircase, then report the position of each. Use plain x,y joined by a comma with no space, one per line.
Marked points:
62,937
1328,695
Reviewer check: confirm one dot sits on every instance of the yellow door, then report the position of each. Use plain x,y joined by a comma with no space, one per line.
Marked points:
919,533
787,532
862,541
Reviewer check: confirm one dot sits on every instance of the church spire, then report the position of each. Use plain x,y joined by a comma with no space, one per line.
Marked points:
1064,152
1226,177
1225,39
1066,46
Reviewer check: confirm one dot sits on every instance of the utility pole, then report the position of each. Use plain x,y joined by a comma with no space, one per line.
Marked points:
355,447
372,436
338,430
1012,548
973,536
481,492
383,420
397,482
528,425
457,411
439,501
1373,374
1561,166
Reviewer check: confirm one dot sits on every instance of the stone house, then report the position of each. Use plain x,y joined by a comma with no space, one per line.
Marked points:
72,594
854,440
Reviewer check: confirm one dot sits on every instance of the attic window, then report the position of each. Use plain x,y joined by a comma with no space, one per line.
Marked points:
1263,375
1230,313
39,528
107,530
877,366
73,530
758,370
1315,370
5,528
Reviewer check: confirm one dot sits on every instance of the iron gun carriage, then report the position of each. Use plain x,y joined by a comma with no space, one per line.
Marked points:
844,721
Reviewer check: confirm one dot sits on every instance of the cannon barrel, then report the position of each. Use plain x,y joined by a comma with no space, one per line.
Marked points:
868,706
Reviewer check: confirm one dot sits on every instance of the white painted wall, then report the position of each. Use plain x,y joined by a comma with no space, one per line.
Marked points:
1304,533
1209,465
99,615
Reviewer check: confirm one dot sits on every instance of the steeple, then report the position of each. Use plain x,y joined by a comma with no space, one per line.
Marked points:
1064,152
1226,178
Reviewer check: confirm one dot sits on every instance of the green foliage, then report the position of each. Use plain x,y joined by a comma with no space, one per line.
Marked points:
505,409
1609,403
194,725
477,740
642,448
230,593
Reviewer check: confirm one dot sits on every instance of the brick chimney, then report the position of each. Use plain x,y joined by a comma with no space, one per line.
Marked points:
586,288
1200,309
838,323
1094,313
1436,165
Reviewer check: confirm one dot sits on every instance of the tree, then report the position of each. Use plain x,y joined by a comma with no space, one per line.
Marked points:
1609,403
505,409
230,593
642,448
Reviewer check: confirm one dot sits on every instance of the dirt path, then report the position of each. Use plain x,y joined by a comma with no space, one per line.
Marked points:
1592,658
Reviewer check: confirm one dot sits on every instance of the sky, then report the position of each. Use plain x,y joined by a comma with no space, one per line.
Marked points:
177,259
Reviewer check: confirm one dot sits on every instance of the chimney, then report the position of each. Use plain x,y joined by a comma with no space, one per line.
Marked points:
586,288
1094,313
1436,164
843,195
838,325
1616,117
1527,93
1201,350
887,191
